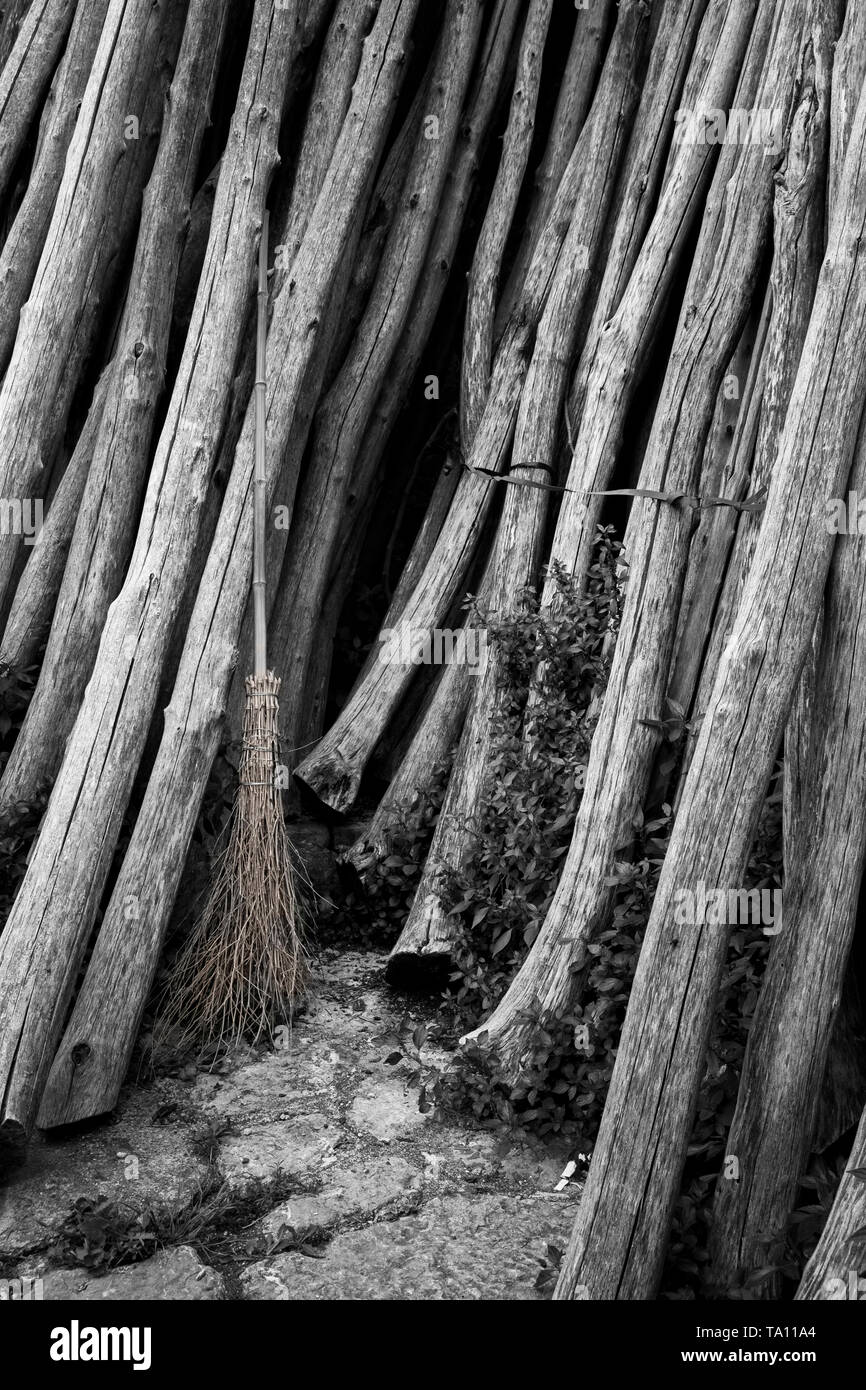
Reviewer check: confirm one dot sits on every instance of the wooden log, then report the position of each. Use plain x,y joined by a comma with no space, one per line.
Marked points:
11,17
329,103
317,15
790,314
96,336
849,74
490,247
192,261
841,1250
431,747
842,1092
427,936
475,129
422,546
685,41
26,74
717,300
789,1038
701,53
333,772
346,412
78,445
433,742
680,62
23,245
92,1058
107,161
384,206
726,472
29,621
50,921
350,550
713,25
585,57
628,334
108,517
618,1245
287,482
337,73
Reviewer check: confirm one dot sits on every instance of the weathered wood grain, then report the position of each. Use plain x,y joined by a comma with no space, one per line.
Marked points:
618,1245
96,208
333,771
50,921
23,245
26,73
108,514
717,300
92,1058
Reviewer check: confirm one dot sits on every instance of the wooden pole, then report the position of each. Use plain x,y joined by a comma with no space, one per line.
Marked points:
260,477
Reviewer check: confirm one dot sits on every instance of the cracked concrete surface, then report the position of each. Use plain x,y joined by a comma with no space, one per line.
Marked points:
330,1183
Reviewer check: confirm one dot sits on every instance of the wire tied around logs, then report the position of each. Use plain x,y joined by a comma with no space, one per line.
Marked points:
755,503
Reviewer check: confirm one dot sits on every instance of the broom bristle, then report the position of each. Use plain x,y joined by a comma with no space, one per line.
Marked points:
245,965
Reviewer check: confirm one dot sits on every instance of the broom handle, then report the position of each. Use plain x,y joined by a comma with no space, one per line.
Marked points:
259,480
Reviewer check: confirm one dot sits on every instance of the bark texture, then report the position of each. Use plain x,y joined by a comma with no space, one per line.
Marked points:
109,509
26,73
790,1035
333,772
107,162
618,1242
720,286
427,933
54,911
20,254
92,1058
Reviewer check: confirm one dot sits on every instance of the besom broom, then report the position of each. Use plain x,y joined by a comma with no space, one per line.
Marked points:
244,965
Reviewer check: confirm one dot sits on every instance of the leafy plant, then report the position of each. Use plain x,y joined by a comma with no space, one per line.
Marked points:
545,1279
564,1084
99,1234
554,667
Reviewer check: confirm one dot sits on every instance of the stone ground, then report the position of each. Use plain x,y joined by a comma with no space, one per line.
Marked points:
308,1172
